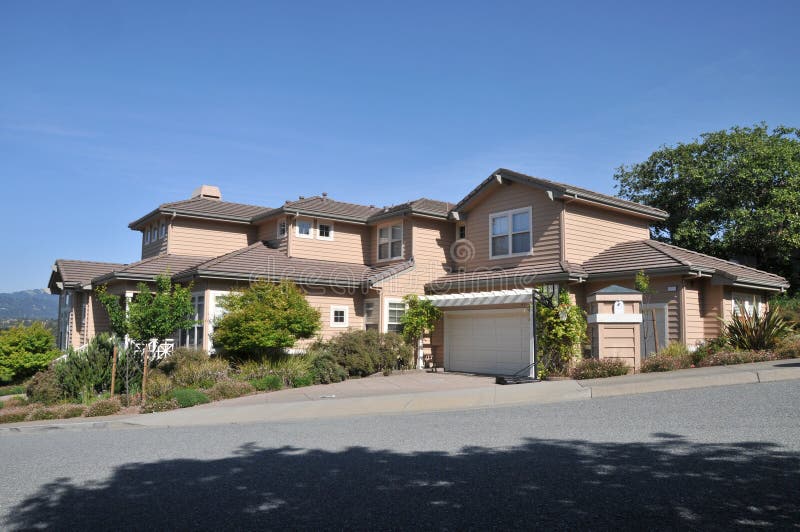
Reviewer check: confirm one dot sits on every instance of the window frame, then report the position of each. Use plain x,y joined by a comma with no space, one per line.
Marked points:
297,232
340,308
162,230
283,228
389,241
330,230
375,320
509,214
193,337
387,308
147,235
461,231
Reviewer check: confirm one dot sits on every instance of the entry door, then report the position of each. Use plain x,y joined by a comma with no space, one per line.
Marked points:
487,341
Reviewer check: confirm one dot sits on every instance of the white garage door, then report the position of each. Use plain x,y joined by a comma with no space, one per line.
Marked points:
487,341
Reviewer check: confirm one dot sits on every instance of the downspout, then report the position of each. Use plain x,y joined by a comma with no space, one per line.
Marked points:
169,229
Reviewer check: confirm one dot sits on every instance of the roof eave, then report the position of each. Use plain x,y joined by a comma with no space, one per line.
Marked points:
216,274
438,286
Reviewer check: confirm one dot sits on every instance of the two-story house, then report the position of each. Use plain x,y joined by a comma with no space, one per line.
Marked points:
477,260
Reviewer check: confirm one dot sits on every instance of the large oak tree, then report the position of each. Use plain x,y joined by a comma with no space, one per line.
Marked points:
734,194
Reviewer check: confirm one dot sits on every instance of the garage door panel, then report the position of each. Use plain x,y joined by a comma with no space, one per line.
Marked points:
489,341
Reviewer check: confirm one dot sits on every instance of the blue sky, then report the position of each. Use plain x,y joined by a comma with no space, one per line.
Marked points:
109,108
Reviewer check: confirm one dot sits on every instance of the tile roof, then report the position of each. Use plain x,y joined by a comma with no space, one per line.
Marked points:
565,189
323,206
207,208
654,255
81,272
422,206
151,267
517,277
260,261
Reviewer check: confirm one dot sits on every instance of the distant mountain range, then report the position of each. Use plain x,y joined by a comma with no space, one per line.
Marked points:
29,304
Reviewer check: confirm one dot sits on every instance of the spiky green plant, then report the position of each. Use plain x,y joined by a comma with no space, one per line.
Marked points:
756,330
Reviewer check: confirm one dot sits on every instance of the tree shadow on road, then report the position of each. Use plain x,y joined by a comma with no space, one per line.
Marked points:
665,484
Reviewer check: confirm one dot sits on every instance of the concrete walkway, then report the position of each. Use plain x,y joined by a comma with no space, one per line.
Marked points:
418,391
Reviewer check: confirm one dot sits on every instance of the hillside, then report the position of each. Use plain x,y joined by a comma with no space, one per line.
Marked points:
29,304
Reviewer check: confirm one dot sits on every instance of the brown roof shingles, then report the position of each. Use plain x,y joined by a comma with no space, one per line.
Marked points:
518,276
151,267
259,261
207,208
81,272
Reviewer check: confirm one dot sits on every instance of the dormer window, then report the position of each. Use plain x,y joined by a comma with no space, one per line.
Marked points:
510,233
390,242
282,228
462,232
147,236
325,231
163,230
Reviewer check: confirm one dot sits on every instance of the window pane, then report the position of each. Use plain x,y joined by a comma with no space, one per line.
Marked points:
499,245
397,248
383,251
324,230
520,222
383,233
500,225
521,243
397,232
394,327
304,228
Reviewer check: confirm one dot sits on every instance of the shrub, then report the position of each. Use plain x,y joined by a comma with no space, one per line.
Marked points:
593,368
709,347
186,397
729,358
264,319
788,347
230,389
16,414
201,374
25,350
363,353
182,356
267,382
325,370
88,372
45,388
158,405
560,332
674,356
253,370
68,410
756,330
12,402
41,413
104,407
300,381
158,385
15,389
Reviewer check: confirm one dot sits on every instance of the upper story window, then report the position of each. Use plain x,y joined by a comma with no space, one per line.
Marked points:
510,233
390,242
325,231
154,233
304,228
163,230
462,232
147,236
282,228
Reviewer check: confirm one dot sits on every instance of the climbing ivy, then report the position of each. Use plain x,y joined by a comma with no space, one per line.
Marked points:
560,332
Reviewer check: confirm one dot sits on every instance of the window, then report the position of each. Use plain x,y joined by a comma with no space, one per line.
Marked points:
154,233
510,233
194,337
304,228
325,231
282,228
163,231
462,232
748,302
394,316
390,242
147,236
339,316
371,321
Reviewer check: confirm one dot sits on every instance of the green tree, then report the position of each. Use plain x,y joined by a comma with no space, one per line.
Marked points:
732,193
159,314
264,319
24,350
419,319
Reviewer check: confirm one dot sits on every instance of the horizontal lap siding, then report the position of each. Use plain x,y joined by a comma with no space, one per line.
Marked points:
590,230
545,217
152,249
322,299
695,330
268,230
350,244
208,239
430,248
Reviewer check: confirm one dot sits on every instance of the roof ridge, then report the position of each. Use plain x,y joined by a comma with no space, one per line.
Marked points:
653,244
230,254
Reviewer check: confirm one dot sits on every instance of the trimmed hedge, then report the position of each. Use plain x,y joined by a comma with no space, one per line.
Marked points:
593,368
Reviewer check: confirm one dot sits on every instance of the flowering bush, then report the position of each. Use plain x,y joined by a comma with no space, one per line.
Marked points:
593,368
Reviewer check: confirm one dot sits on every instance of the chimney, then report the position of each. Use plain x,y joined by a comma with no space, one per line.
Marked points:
324,196
207,191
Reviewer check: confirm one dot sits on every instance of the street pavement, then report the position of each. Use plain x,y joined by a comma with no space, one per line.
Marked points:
710,458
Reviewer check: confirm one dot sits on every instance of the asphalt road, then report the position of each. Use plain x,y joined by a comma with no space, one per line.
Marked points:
715,458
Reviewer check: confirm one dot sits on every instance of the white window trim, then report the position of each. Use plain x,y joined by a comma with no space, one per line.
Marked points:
378,241
510,215
386,302
283,223
297,232
346,311
329,224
